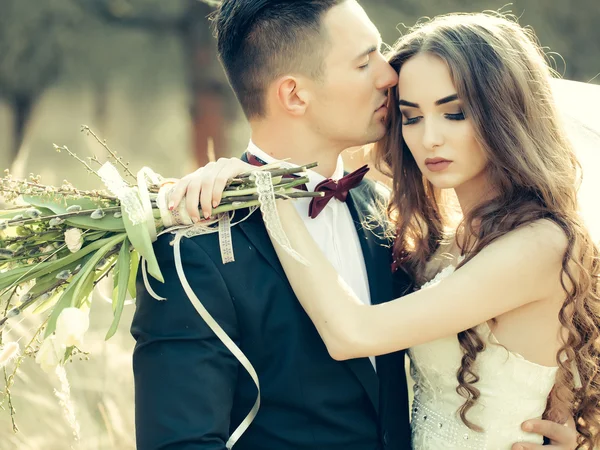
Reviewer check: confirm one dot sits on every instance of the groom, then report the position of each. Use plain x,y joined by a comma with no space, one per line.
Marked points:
312,82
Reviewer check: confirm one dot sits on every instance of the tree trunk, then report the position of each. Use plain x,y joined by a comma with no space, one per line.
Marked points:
209,91
21,107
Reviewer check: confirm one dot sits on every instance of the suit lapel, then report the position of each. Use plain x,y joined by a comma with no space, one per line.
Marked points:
255,231
377,257
376,260
376,250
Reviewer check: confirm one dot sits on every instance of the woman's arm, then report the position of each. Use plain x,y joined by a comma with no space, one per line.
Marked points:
519,268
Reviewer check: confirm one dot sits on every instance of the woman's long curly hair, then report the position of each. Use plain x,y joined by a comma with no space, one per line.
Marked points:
502,77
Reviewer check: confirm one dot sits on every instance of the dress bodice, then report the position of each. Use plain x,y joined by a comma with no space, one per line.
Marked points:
512,389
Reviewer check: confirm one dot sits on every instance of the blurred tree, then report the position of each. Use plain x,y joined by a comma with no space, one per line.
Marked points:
210,94
42,41
569,29
33,43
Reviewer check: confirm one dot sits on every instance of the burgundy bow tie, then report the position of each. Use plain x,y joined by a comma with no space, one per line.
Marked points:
338,189
332,188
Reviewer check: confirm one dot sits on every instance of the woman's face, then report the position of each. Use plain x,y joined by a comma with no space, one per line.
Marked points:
435,129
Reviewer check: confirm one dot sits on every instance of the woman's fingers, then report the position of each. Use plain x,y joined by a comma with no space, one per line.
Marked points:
204,188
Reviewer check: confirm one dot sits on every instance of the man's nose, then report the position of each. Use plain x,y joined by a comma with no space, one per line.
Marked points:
388,78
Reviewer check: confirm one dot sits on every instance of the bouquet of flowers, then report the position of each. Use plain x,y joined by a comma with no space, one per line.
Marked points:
58,242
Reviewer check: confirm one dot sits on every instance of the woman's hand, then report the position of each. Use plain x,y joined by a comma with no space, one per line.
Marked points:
205,186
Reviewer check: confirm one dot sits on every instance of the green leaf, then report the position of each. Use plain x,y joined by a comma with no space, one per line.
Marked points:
77,285
68,353
60,205
24,274
107,223
135,264
9,214
124,263
47,237
46,281
140,239
94,260
63,302
86,288
8,278
94,235
46,304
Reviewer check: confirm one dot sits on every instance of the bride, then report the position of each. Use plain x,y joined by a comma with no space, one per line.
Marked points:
506,311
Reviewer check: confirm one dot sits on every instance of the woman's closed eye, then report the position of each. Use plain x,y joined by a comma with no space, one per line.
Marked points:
411,120
456,116
415,119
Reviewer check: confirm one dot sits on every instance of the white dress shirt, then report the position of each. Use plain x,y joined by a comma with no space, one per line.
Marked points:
333,230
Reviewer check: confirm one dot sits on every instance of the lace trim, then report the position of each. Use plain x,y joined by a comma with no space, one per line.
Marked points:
182,228
225,243
268,208
129,198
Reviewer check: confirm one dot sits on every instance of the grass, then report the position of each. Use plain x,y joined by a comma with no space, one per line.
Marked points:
101,392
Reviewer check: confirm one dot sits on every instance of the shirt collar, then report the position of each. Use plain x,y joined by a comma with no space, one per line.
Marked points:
314,178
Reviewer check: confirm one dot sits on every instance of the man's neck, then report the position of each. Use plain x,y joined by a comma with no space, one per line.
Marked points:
298,150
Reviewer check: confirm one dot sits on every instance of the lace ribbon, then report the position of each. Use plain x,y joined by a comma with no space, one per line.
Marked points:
128,196
268,208
186,231
144,176
179,223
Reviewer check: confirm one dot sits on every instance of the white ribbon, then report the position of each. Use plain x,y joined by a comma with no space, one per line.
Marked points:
195,230
144,175
179,223
128,196
222,335
268,208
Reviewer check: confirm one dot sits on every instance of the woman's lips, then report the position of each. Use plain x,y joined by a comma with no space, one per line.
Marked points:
437,164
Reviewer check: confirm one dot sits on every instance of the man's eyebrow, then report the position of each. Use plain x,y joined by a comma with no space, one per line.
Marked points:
439,102
367,52
372,48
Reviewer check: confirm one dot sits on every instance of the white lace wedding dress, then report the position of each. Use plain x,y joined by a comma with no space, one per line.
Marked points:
512,391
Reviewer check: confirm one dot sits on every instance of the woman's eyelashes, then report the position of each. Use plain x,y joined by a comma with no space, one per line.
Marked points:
450,116
410,120
456,116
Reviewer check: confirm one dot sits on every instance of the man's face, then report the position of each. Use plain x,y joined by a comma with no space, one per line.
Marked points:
346,104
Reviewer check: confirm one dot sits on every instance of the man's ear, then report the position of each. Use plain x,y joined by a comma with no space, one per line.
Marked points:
291,95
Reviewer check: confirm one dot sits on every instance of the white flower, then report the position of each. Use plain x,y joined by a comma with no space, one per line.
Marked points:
10,351
73,239
71,325
50,354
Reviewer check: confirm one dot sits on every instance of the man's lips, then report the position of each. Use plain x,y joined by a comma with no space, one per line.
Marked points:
383,104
